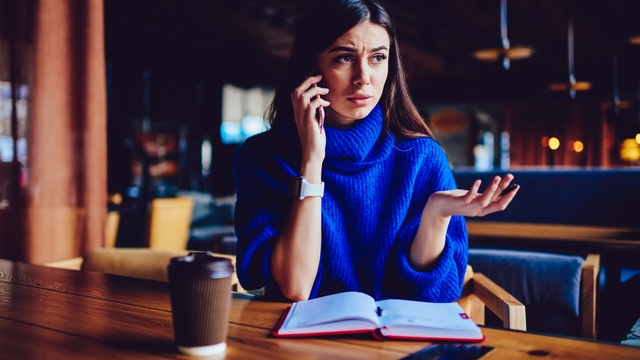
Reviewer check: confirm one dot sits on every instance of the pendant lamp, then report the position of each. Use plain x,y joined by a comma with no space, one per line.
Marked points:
506,53
573,86
616,100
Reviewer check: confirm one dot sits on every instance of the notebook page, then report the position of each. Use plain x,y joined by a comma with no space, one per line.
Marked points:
331,308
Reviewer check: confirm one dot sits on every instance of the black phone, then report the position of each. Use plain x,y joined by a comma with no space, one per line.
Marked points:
509,189
449,351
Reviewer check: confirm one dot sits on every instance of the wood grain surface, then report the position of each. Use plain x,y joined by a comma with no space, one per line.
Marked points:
50,313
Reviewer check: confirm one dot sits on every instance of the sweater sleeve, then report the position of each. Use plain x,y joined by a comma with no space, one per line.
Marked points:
443,282
262,207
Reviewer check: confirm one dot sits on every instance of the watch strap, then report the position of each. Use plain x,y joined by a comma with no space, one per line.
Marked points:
301,188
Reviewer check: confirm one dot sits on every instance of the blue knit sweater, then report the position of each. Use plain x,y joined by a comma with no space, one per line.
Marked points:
375,190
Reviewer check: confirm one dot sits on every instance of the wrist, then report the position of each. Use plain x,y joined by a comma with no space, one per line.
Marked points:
312,172
432,216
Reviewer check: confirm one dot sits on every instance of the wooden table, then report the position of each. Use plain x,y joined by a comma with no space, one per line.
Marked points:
597,237
65,314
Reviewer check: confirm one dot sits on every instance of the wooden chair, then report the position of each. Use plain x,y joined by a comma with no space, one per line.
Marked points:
169,223
111,228
142,263
112,221
559,291
479,293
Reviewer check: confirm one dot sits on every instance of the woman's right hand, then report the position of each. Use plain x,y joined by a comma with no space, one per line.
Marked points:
306,103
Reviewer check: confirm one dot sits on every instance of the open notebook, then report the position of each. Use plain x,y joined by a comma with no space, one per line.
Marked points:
355,312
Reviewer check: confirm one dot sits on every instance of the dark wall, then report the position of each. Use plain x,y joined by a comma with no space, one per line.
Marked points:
607,197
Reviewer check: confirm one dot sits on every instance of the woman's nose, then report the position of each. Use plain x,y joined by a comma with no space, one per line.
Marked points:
361,74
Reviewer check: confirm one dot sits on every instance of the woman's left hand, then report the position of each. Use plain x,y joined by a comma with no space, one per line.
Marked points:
470,202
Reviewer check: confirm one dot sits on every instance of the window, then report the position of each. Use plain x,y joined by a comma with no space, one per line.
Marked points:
11,148
243,112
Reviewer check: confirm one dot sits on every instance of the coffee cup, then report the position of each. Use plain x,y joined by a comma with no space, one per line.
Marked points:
200,286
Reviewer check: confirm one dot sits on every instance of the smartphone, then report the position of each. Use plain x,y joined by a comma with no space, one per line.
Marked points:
449,351
509,189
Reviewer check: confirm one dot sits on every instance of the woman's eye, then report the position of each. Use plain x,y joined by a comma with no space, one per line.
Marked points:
344,58
378,58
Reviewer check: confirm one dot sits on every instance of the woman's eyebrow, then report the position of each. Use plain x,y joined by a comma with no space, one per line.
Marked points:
351,49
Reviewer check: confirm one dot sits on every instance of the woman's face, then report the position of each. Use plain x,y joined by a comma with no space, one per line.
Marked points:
354,69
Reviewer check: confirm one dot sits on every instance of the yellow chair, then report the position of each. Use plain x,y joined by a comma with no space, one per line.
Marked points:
141,263
169,223
111,228
71,264
112,221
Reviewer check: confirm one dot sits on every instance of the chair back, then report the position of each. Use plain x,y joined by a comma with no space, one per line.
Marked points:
549,285
112,221
111,228
141,263
170,222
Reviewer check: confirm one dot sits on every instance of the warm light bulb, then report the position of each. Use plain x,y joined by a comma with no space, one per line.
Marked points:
578,146
554,143
638,138
630,150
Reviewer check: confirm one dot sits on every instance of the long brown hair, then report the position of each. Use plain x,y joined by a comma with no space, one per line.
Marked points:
326,21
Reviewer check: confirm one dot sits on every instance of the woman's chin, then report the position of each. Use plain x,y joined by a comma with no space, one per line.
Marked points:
347,118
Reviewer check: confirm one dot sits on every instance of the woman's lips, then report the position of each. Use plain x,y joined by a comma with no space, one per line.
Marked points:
360,100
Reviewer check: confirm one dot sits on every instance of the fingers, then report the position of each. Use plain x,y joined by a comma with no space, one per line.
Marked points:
307,103
473,192
509,189
501,204
504,187
492,199
495,197
308,91
496,188
305,85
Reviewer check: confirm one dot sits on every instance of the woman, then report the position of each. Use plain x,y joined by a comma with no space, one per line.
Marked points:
375,206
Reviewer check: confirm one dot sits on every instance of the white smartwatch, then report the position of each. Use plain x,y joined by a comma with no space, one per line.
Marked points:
300,188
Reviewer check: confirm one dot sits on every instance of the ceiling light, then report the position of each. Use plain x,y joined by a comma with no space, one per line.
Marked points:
497,54
506,53
635,40
576,86
573,86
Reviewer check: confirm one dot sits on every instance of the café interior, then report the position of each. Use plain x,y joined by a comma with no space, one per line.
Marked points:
119,121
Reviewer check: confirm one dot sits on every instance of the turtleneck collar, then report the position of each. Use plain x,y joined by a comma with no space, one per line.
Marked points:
365,142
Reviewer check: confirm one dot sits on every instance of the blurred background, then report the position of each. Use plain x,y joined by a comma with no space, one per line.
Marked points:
194,78
141,105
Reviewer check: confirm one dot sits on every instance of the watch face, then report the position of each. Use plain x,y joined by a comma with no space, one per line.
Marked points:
295,186
300,188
